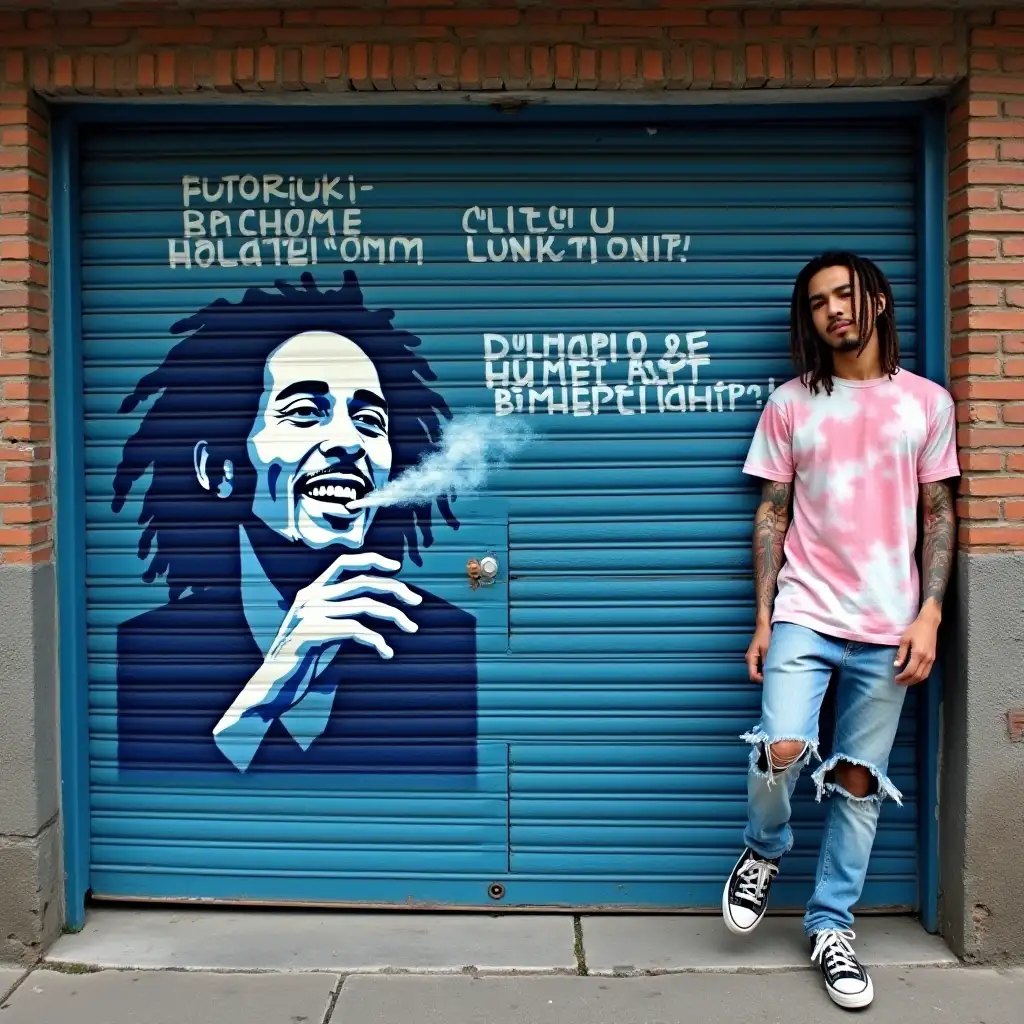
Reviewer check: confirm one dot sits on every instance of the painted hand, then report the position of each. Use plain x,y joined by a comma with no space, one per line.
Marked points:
916,653
324,615
757,652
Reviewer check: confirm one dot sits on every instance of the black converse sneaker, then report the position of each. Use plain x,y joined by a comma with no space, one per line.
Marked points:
846,981
745,898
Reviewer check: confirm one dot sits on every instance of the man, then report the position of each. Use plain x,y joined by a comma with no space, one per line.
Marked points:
851,446
288,643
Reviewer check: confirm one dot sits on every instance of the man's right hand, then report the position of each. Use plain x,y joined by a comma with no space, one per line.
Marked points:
757,652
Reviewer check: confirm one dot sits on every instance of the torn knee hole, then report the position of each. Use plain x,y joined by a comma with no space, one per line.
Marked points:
782,755
855,779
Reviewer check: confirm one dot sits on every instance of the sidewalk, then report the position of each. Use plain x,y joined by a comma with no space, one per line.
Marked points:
258,967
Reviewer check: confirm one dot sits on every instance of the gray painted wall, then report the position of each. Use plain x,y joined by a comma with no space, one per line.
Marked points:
30,862
982,801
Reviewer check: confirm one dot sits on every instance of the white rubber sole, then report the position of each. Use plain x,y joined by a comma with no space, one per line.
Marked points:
860,1001
727,914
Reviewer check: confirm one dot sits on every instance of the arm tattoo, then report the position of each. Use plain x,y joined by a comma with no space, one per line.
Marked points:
939,538
770,527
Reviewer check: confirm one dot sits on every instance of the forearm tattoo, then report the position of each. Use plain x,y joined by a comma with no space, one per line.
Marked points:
939,540
770,527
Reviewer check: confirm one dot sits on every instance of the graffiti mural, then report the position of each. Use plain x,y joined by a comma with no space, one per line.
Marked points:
289,640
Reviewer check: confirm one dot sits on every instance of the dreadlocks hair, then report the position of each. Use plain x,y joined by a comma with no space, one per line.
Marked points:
812,357
209,388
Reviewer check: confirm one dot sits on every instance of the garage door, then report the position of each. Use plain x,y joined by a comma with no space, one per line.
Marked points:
417,543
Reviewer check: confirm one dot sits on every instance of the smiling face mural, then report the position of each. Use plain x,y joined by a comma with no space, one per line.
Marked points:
320,441
270,429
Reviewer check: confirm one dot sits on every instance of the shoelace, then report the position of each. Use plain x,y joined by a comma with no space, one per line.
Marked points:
834,950
753,879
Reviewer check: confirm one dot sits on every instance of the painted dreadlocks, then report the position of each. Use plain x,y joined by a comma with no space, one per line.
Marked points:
813,358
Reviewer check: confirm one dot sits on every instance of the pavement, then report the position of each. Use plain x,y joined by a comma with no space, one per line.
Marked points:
165,966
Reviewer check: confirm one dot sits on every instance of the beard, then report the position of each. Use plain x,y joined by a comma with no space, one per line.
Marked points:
847,345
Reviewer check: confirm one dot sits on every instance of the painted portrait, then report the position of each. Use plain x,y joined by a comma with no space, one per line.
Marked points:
288,640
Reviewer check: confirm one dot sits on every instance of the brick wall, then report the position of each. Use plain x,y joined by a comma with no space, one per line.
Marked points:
423,45
26,533
986,141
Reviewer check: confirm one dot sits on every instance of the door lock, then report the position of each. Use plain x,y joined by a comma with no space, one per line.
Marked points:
482,571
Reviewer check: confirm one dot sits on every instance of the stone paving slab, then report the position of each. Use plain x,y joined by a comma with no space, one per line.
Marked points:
241,940
658,944
8,978
916,996
171,997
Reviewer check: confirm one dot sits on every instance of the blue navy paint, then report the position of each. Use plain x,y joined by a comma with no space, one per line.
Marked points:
180,666
658,750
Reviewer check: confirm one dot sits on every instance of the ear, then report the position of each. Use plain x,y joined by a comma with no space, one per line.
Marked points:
201,464
879,304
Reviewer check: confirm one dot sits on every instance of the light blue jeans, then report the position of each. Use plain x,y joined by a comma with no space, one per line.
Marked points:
797,671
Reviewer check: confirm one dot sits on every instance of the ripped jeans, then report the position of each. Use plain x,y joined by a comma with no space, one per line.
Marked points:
797,670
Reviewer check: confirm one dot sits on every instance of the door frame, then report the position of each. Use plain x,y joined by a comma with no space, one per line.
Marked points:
69,489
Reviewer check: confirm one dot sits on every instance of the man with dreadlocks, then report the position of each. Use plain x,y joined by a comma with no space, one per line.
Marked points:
851,446
288,642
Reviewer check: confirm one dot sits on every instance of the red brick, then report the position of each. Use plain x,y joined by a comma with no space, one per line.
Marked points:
918,18
1004,84
703,67
541,71
976,366
981,461
565,71
195,36
266,64
475,18
1015,462
23,536
126,19
995,128
1000,37
846,65
1013,246
841,18
973,342
995,536
586,77
26,515
1013,413
380,66
967,509
359,65
334,67
1008,320
1014,367
990,437
755,67
994,486
236,19
974,412
1013,510
651,19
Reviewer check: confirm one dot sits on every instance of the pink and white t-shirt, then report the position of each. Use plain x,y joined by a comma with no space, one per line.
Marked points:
856,459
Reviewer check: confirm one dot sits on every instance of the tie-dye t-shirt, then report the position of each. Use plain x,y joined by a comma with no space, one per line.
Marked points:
856,459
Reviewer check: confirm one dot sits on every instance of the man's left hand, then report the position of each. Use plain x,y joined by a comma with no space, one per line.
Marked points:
919,642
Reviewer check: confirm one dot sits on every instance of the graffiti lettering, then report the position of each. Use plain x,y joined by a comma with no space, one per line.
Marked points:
534,234
581,375
300,223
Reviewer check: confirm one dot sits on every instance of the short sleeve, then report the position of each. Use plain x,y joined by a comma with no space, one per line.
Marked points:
937,459
771,451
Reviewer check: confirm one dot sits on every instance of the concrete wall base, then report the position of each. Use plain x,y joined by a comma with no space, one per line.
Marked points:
30,848
30,908
982,828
